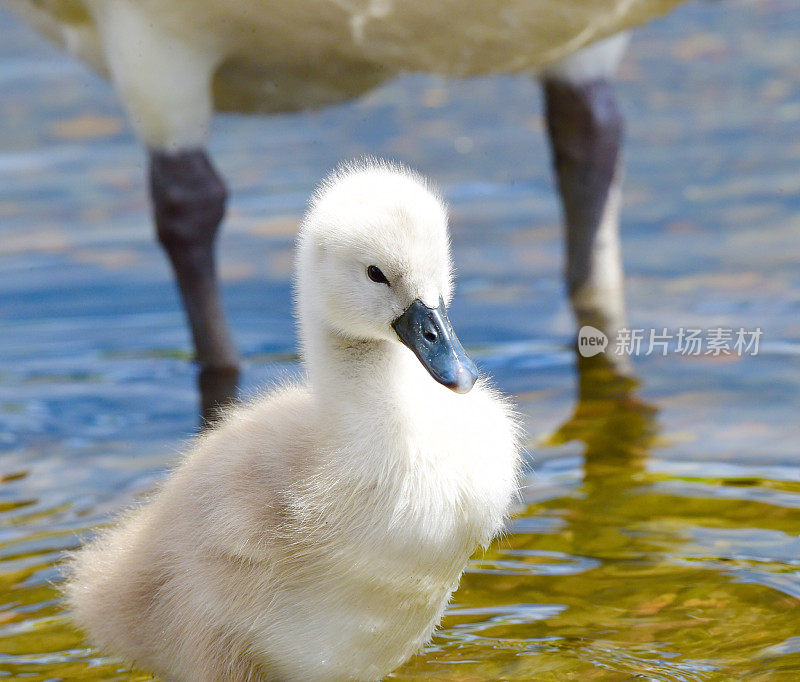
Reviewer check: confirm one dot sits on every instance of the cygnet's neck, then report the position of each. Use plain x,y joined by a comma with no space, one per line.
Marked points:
358,376
345,371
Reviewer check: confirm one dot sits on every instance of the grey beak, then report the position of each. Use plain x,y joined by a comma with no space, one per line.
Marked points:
427,332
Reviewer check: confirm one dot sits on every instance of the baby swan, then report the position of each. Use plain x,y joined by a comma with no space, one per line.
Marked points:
318,532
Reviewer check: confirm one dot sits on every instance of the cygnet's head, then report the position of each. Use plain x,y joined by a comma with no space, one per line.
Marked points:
374,264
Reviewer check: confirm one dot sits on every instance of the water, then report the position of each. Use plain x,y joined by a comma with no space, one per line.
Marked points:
658,536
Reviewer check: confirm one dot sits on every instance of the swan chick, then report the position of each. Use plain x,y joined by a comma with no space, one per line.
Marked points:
318,532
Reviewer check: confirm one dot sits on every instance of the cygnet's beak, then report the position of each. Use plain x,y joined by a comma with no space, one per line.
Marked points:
427,332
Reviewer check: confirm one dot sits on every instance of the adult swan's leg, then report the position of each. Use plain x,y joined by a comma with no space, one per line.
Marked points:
585,128
188,204
164,83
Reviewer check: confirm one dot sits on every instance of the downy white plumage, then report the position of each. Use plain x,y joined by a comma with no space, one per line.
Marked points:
318,532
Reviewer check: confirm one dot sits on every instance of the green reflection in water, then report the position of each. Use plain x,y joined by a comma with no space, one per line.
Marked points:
623,573
625,577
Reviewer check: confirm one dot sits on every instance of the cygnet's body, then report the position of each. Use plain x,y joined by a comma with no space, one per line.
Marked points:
318,533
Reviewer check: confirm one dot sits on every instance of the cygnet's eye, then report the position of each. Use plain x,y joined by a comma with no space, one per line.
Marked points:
375,274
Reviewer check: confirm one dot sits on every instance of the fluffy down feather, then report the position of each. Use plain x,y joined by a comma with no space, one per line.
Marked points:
318,532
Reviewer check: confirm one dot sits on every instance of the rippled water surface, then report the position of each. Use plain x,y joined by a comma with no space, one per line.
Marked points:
658,534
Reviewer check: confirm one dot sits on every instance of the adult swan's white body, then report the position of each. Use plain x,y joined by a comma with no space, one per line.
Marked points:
174,62
269,55
318,533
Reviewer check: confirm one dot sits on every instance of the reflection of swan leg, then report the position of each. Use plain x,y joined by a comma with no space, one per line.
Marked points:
165,87
585,128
